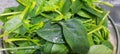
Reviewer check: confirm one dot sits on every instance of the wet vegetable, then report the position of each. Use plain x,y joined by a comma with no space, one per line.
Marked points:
56,27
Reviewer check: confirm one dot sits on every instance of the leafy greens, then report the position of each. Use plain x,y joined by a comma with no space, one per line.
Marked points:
56,27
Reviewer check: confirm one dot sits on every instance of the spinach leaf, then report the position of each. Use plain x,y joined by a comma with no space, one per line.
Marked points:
47,48
76,6
50,48
13,24
59,49
99,49
57,27
51,32
75,36
66,6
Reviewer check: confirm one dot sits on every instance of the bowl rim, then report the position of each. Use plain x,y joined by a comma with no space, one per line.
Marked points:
116,32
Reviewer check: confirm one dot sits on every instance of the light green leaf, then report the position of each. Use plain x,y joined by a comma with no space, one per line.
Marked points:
26,24
39,5
58,18
108,44
100,49
67,16
59,49
84,14
51,5
50,48
37,26
12,24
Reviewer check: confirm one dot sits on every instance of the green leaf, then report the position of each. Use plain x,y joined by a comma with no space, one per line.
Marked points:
99,49
50,48
76,6
18,8
36,20
51,32
4,19
59,49
108,44
22,30
84,14
47,48
37,24
92,11
12,24
51,5
67,16
66,7
75,35
27,51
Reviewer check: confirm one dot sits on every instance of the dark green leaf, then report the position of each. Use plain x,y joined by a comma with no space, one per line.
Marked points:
4,19
66,6
75,35
47,48
35,20
92,11
51,32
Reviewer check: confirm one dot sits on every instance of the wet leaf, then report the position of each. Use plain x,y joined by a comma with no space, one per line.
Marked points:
51,32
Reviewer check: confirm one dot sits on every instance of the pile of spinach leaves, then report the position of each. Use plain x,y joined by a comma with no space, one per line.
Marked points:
56,27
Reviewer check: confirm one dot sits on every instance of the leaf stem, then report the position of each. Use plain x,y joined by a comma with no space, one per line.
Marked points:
16,39
46,16
18,48
98,28
102,21
105,3
11,13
